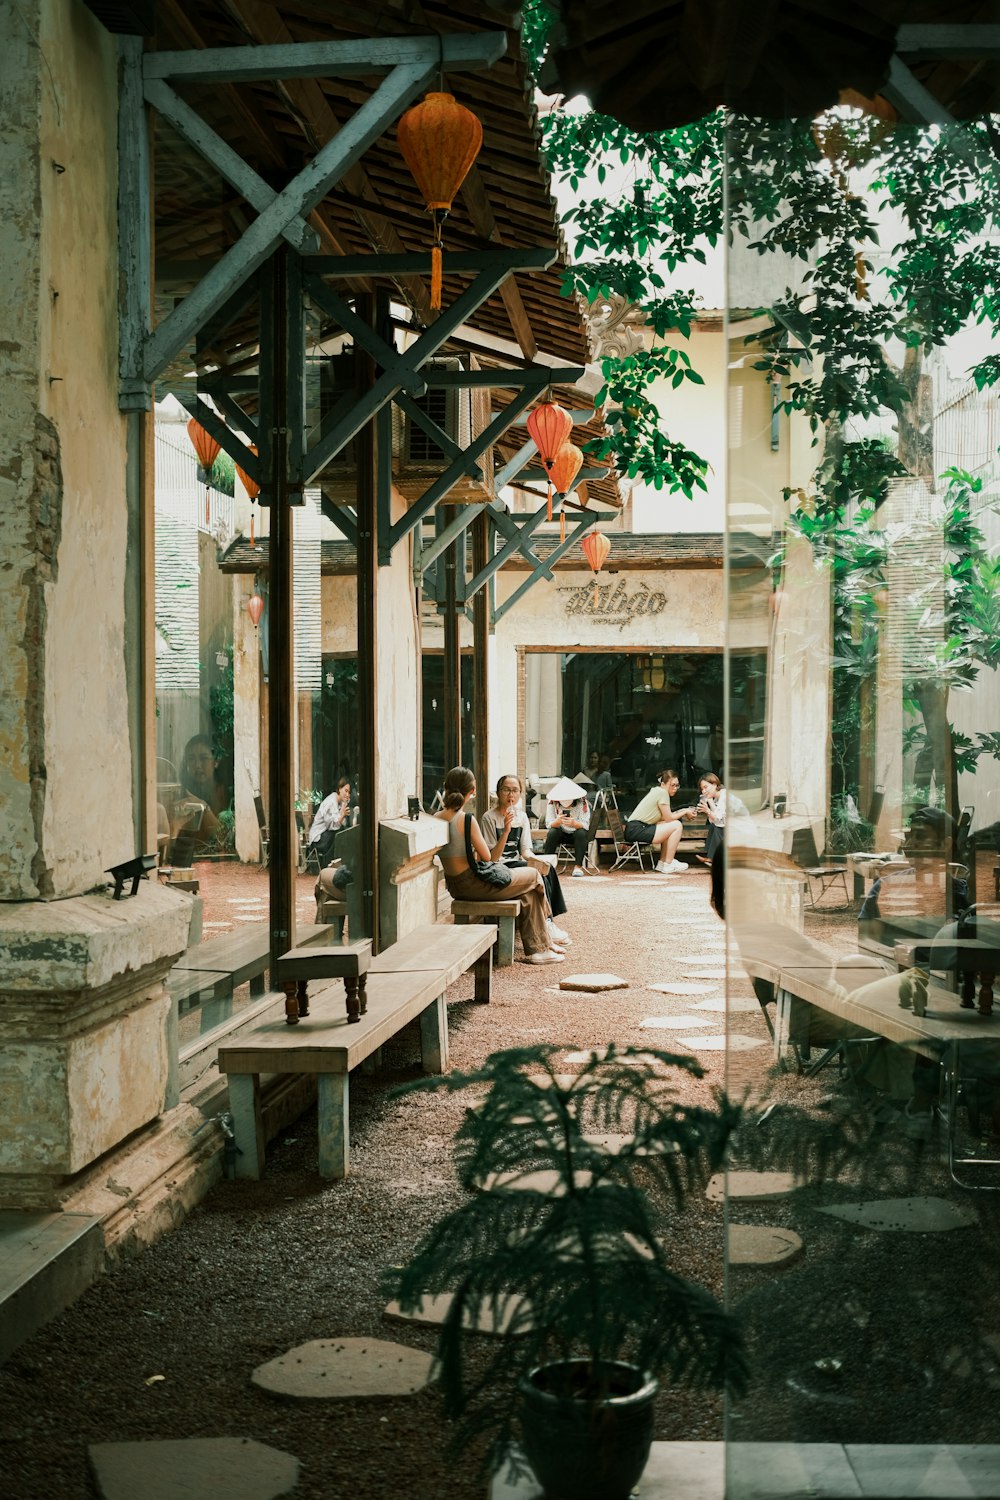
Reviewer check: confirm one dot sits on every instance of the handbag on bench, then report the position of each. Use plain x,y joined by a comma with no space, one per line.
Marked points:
490,871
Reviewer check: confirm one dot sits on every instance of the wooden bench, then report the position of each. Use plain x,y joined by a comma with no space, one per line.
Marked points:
347,961
405,982
503,913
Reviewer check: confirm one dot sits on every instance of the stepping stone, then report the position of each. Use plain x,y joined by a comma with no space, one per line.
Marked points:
434,1308
340,1369
743,1007
733,1042
702,958
227,1468
668,1023
549,1183
592,983
760,1245
690,988
705,974
756,1186
918,1215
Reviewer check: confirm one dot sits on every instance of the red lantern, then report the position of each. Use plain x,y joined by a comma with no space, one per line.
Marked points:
255,608
439,139
549,426
252,488
207,450
596,548
565,467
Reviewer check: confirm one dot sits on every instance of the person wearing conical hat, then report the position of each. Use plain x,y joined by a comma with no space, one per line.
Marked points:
567,818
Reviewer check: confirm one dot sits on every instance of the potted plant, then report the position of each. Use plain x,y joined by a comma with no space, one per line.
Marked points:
598,1316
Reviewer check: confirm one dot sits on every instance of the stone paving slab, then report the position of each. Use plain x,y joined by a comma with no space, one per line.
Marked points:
917,1215
755,1186
669,1023
593,983
549,1183
761,1245
668,987
339,1369
734,1041
487,1318
706,973
225,1468
734,1003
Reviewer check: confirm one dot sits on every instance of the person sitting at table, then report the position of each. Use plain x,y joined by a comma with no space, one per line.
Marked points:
508,833
331,817
567,818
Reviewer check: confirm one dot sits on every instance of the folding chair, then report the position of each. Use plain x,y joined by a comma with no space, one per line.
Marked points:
826,877
624,851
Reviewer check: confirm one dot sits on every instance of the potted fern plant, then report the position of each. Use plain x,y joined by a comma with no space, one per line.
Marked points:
597,1316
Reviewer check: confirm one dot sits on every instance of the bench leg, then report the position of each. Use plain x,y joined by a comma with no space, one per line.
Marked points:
505,942
337,923
434,1037
257,984
354,1006
332,1098
248,1126
290,988
482,971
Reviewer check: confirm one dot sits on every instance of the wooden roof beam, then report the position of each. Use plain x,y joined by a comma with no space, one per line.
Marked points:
477,202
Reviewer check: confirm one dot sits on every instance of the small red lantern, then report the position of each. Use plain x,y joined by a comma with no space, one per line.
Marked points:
439,139
252,488
565,467
549,426
207,451
596,548
255,608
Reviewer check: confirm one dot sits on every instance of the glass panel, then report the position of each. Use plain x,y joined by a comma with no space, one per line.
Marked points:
863,897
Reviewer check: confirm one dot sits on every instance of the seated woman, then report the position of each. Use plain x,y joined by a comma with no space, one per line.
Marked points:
508,833
464,884
716,803
331,816
567,818
654,822
194,822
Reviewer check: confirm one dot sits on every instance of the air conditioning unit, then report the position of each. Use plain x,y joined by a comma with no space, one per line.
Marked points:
417,460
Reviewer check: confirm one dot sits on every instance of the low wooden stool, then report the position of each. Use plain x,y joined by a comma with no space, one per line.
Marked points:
348,961
503,913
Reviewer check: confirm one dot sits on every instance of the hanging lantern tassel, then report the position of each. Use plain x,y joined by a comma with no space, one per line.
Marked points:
439,139
596,548
563,469
207,451
252,488
549,427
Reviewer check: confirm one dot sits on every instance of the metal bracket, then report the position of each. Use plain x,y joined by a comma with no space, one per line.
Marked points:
589,518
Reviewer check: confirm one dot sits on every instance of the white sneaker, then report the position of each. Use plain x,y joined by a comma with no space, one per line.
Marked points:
558,935
550,956
662,869
578,873
678,867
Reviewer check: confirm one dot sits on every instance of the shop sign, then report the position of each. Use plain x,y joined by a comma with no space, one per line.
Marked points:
612,602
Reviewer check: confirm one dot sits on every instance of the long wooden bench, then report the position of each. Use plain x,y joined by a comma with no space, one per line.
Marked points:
503,913
407,981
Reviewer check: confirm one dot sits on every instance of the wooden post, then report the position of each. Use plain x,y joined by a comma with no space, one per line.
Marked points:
481,664
367,549
452,692
273,435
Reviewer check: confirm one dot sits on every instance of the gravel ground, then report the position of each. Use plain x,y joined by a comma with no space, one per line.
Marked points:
261,1267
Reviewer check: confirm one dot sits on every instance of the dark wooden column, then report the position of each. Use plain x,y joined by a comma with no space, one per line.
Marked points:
277,322
481,661
452,657
367,463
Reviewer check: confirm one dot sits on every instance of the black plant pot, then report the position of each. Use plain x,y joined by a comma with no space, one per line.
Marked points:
581,1447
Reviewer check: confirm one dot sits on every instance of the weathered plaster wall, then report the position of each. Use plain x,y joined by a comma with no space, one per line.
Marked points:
65,774
398,699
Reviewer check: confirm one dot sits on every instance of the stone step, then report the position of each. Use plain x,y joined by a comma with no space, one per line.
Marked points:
46,1262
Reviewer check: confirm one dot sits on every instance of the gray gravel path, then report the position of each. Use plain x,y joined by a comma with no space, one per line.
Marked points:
260,1267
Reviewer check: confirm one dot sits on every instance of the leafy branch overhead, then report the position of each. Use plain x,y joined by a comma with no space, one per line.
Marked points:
895,231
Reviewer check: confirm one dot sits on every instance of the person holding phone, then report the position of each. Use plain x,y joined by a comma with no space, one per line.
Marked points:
655,822
508,833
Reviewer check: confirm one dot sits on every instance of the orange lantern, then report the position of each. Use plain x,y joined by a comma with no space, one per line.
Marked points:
549,426
596,548
439,139
252,488
565,467
207,451
255,608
